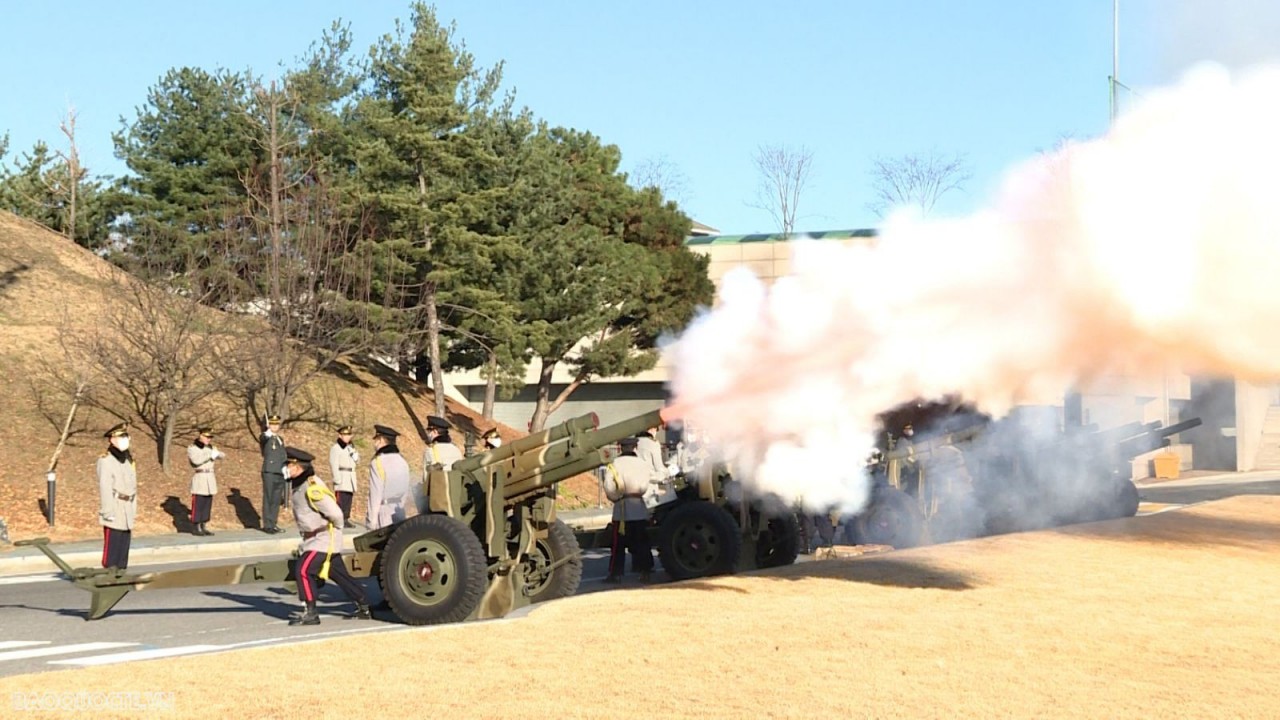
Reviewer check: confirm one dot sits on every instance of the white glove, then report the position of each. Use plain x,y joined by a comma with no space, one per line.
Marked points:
355,456
268,432
108,518
672,470
218,454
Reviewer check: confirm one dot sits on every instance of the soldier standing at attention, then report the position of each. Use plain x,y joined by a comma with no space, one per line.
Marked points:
319,521
118,491
389,490
201,454
626,482
648,450
440,448
273,459
342,466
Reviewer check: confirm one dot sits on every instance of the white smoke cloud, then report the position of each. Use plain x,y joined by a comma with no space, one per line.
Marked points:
1234,33
1157,244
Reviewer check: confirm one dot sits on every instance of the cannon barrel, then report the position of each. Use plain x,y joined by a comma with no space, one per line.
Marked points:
579,455
530,442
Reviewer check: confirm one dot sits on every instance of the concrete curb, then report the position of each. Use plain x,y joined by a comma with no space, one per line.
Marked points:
34,562
159,549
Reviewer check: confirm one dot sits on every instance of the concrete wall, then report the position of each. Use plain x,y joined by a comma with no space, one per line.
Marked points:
612,402
1252,402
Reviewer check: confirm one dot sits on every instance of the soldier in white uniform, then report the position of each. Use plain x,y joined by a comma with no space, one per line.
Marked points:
648,450
389,483
440,448
626,481
118,495
342,467
202,454
319,520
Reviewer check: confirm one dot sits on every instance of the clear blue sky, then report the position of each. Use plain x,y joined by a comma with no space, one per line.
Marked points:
701,84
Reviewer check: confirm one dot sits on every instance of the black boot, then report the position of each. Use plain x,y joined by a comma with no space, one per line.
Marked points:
307,618
204,530
362,613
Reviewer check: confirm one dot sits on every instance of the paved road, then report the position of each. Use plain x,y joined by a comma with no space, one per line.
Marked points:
44,628
1186,492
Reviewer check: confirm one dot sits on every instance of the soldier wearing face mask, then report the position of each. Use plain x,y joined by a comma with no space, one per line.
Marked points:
490,440
118,494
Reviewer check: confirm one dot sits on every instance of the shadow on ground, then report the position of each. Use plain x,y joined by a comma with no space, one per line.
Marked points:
884,571
179,513
246,514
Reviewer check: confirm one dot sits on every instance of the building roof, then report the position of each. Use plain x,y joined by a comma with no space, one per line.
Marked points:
779,237
700,229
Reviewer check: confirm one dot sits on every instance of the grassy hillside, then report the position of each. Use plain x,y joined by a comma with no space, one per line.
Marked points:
47,281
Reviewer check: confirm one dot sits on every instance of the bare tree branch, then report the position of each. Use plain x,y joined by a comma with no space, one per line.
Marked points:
783,174
918,180
664,175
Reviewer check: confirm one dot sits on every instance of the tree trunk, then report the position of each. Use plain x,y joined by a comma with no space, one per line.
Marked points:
433,319
490,388
542,407
433,348
275,209
166,439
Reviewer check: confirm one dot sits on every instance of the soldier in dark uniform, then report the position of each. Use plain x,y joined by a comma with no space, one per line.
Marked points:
118,493
273,485
319,520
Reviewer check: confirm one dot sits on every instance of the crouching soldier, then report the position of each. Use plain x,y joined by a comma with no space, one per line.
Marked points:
319,520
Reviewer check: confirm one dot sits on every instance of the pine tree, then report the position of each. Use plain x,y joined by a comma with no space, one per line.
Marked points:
606,273
188,151
414,152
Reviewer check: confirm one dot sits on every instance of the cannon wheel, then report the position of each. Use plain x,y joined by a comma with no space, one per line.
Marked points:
433,570
699,539
779,541
893,518
1127,498
562,581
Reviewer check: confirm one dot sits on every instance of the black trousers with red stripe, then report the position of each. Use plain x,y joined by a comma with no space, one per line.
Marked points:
308,572
201,506
633,537
115,547
344,503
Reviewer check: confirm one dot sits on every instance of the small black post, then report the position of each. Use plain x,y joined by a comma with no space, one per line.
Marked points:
51,483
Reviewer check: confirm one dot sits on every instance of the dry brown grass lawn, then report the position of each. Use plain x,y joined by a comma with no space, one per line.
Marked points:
45,278
1166,616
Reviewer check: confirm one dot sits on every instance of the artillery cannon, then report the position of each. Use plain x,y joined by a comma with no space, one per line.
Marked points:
486,540
973,476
